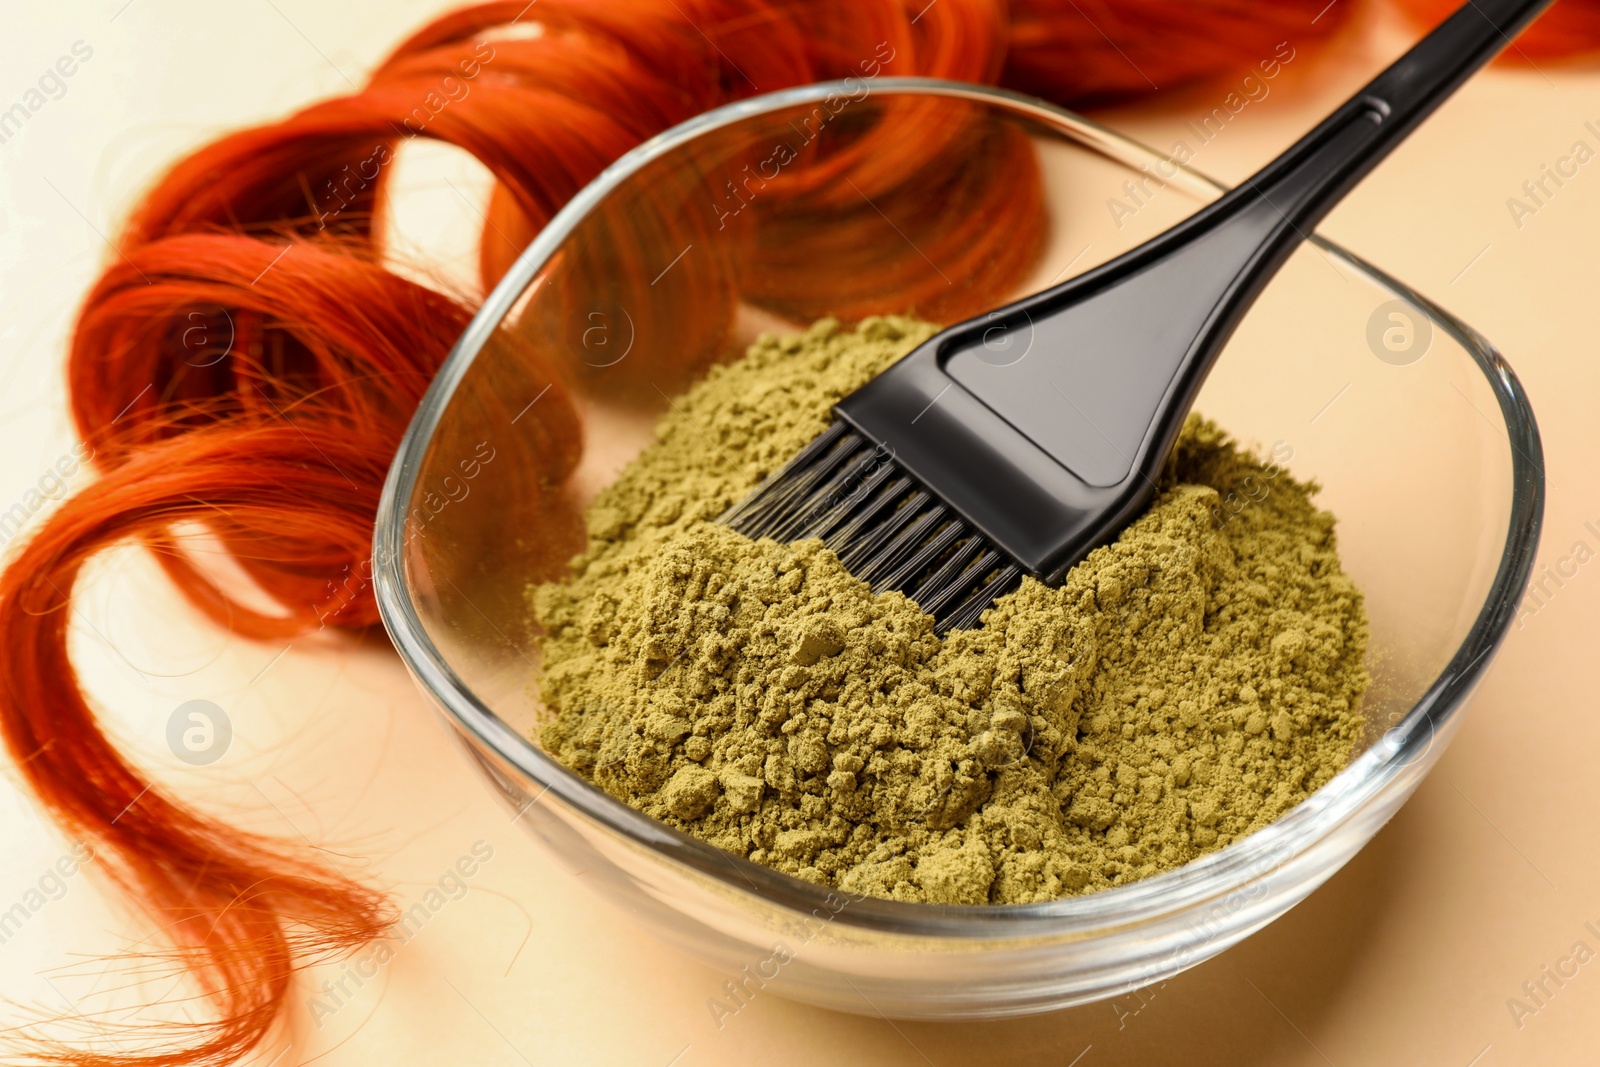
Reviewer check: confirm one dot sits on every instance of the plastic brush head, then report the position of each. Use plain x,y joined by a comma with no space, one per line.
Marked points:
886,528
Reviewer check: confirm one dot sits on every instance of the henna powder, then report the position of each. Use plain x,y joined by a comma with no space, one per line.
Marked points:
1188,684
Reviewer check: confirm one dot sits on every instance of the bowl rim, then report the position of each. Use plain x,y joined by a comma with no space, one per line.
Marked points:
1195,883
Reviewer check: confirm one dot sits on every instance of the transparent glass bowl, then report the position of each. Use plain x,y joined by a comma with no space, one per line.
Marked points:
1416,429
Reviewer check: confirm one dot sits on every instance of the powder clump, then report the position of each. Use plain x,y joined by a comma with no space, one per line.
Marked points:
1188,683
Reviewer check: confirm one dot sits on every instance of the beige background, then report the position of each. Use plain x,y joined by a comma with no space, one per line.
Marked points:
1408,956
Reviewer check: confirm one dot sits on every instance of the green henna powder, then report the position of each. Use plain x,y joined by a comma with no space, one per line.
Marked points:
1187,685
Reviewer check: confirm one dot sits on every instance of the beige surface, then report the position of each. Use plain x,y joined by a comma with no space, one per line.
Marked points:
1408,956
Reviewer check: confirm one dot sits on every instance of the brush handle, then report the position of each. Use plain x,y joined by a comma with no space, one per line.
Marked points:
1306,181
1053,450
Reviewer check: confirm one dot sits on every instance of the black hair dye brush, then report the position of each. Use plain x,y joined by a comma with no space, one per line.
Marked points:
952,475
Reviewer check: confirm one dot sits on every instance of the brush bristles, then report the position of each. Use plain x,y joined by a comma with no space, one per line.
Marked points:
886,529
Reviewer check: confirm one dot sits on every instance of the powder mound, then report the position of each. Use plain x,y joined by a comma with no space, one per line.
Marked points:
1188,683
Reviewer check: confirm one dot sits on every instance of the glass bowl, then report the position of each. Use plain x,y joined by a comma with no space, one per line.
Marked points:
755,217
